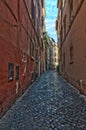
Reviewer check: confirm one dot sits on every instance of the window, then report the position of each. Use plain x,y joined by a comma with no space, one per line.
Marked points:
37,54
17,72
32,48
64,26
32,10
71,54
62,35
42,3
42,21
35,19
10,71
71,10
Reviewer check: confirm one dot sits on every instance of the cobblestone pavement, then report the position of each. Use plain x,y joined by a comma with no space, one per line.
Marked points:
49,104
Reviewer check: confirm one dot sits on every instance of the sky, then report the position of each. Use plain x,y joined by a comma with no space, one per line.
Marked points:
51,15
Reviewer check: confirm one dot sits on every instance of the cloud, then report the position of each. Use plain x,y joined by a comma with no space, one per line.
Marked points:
51,15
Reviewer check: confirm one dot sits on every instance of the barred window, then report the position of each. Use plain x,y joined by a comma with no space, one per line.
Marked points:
17,72
10,71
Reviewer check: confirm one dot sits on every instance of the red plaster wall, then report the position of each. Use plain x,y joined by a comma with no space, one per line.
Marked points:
15,43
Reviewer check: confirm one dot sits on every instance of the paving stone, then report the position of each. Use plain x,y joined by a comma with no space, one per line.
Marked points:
50,103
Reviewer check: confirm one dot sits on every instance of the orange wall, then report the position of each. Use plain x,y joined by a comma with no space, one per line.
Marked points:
77,37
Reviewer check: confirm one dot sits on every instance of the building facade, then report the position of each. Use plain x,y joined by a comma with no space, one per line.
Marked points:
51,52
53,47
21,47
71,29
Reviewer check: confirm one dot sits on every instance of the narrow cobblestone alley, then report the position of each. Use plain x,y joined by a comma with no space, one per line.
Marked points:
49,104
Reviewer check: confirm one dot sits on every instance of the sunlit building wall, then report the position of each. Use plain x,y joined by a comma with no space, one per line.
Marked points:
71,25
